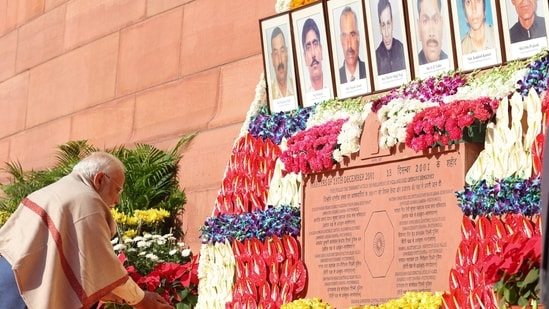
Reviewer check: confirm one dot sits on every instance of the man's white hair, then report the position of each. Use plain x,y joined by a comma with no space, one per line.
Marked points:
96,162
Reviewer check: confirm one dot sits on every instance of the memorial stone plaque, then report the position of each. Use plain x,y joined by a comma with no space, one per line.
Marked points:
384,223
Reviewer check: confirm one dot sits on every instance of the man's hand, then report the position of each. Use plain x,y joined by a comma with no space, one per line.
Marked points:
152,301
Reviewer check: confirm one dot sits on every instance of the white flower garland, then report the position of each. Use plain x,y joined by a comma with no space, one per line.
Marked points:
395,117
349,137
216,274
284,190
282,5
492,85
507,151
256,105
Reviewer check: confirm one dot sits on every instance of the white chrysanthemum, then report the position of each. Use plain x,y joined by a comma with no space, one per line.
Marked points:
119,247
186,252
142,253
148,236
173,251
153,257
114,241
395,117
143,244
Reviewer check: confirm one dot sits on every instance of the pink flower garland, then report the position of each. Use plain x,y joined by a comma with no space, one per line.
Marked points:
445,123
311,150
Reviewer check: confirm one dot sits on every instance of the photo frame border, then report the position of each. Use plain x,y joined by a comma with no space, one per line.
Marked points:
448,43
369,12
504,10
270,23
496,22
333,23
318,7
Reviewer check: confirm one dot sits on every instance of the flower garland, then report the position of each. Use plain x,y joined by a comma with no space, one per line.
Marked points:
257,104
282,5
395,117
537,77
498,82
216,273
312,150
277,221
433,89
284,189
508,195
445,123
355,111
507,149
246,182
280,125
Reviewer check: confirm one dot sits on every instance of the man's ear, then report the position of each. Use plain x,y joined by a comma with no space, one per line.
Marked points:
98,180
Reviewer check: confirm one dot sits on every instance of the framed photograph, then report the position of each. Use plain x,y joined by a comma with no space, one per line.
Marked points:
389,43
476,30
524,27
349,48
431,37
312,54
279,63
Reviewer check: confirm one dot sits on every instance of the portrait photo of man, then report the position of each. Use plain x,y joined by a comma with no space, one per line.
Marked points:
349,46
313,55
353,67
430,31
279,64
283,85
390,52
529,24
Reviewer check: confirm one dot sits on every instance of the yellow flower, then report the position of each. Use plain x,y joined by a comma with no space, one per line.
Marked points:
412,300
129,234
152,216
307,303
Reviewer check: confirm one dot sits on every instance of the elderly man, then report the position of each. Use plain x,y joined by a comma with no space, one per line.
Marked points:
353,68
55,250
529,25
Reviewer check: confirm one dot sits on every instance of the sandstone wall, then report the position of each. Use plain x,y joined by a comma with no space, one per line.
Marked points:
118,72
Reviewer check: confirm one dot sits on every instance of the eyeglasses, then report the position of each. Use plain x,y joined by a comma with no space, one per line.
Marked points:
119,188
